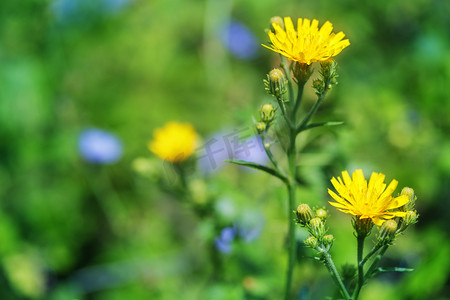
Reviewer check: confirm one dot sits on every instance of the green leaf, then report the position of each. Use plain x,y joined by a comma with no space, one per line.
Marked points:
312,125
393,269
258,167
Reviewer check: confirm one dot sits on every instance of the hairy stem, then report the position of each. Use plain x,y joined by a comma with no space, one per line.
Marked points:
328,261
360,282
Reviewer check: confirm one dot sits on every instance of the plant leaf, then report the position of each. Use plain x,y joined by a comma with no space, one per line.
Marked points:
312,125
258,167
393,269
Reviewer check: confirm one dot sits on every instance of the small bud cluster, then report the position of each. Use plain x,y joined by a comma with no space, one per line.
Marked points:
411,217
328,72
314,221
267,115
392,228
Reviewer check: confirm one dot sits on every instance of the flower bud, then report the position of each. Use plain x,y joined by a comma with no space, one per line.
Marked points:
410,218
278,20
260,127
317,227
267,113
328,71
362,226
328,240
321,213
311,242
407,191
387,230
276,83
302,72
304,214
318,86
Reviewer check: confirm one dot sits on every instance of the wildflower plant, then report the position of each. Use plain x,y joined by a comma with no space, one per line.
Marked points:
303,49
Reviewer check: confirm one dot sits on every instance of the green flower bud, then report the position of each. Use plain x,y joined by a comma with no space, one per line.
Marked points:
304,214
317,227
410,218
311,242
328,240
387,231
276,83
328,71
267,113
412,199
260,127
278,20
321,213
362,226
302,71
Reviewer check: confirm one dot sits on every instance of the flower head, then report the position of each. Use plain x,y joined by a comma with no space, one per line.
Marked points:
174,142
308,43
372,201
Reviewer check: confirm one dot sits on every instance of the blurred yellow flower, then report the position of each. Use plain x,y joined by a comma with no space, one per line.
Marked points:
372,201
309,43
174,142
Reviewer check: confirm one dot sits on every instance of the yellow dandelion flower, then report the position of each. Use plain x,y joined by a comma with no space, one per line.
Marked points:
174,142
372,201
308,43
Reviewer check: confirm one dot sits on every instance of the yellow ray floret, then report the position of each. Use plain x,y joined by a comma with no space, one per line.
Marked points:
308,43
364,200
174,142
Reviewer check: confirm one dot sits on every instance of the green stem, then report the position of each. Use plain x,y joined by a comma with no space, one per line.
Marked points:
292,185
301,86
377,258
285,114
360,282
313,110
335,274
372,252
270,155
287,72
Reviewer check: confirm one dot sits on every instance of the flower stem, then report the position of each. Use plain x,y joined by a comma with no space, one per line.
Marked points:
300,87
372,252
335,274
287,72
360,282
313,110
292,185
375,261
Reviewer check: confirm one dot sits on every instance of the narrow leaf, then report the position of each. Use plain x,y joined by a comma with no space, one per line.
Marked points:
393,269
313,125
258,167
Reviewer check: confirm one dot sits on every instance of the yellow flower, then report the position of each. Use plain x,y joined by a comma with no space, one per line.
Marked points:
309,43
174,142
372,201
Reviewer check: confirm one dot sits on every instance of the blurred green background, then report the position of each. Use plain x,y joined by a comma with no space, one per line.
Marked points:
73,229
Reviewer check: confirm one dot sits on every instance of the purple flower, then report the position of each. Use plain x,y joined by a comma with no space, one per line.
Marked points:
239,40
250,227
223,242
213,153
251,149
99,147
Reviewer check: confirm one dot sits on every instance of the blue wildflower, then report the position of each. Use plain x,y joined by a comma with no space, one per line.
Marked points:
223,242
239,40
100,147
251,149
